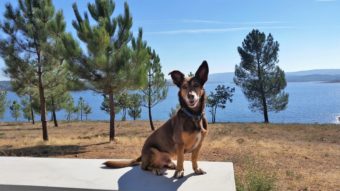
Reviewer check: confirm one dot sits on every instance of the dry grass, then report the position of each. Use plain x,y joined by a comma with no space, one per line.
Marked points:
301,157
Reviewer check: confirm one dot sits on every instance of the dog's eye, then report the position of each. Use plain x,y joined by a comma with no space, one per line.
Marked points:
196,85
185,87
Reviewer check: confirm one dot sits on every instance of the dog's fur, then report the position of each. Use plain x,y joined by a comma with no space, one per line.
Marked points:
183,133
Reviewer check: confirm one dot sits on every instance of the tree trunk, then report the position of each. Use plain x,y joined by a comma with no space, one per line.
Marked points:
54,114
263,97
265,110
212,118
68,116
42,105
32,113
112,117
124,114
149,103
81,112
215,114
150,119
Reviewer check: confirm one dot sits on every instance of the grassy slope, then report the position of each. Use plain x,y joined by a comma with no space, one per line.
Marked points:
299,156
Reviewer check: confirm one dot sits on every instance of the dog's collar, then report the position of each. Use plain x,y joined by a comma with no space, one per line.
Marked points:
191,115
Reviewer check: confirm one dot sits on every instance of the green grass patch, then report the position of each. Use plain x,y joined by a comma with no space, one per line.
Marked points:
256,181
255,178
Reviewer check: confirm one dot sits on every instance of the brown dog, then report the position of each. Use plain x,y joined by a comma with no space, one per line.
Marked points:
183,133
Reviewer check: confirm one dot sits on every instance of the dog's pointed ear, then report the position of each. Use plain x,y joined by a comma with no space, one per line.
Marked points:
202,72
177,77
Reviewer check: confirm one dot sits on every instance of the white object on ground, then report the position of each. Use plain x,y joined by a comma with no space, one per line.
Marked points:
56,174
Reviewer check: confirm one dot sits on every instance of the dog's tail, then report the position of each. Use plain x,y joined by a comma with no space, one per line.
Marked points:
122,164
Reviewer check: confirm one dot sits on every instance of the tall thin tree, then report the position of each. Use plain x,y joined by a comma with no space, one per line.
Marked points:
87,110
3,102
15,110
27,108
135,101
111,65
32,33
261,80
156,89
69,107
219,99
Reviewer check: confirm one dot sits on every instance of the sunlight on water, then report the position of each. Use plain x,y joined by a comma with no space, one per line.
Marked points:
309,102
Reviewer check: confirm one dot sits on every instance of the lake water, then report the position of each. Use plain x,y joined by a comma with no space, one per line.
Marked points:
309,102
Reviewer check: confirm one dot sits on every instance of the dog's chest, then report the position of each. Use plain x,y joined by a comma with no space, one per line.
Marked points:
191,141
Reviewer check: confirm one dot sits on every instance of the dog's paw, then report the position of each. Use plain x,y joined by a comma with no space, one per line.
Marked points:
158,172
199,171
171,166
179,174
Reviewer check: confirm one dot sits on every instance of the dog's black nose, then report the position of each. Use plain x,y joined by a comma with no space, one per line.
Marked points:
190,96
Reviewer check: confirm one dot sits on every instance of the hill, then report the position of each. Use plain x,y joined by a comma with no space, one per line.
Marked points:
322,75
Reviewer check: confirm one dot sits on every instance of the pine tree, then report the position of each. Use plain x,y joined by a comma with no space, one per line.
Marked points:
56,86
80,107
135,110
15,110
121,104
173,111
111,65
83,108
219,98
56,102
69,107
105,104
3,102
24,87
27,109
156,89
87,110
27,91
34,34
261,80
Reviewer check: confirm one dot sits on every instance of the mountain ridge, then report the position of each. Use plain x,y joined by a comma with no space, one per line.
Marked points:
316,75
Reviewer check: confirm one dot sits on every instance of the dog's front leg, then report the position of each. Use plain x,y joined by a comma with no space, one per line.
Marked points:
194,157
179,173
195,152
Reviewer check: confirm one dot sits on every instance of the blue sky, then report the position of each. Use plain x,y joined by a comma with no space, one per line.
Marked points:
186,32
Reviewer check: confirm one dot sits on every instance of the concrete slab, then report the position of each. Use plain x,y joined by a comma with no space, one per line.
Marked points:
52,174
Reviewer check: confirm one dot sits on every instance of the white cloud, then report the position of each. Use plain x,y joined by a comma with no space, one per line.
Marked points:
206,21
325,1
202,21
213,30
230,23
197,31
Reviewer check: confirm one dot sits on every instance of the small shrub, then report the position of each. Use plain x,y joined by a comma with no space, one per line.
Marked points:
256,181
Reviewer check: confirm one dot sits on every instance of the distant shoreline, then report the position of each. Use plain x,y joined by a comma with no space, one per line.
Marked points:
163,121
333,82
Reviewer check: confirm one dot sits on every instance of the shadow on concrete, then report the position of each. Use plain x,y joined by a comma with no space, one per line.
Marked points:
43,151
137,179
38,188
